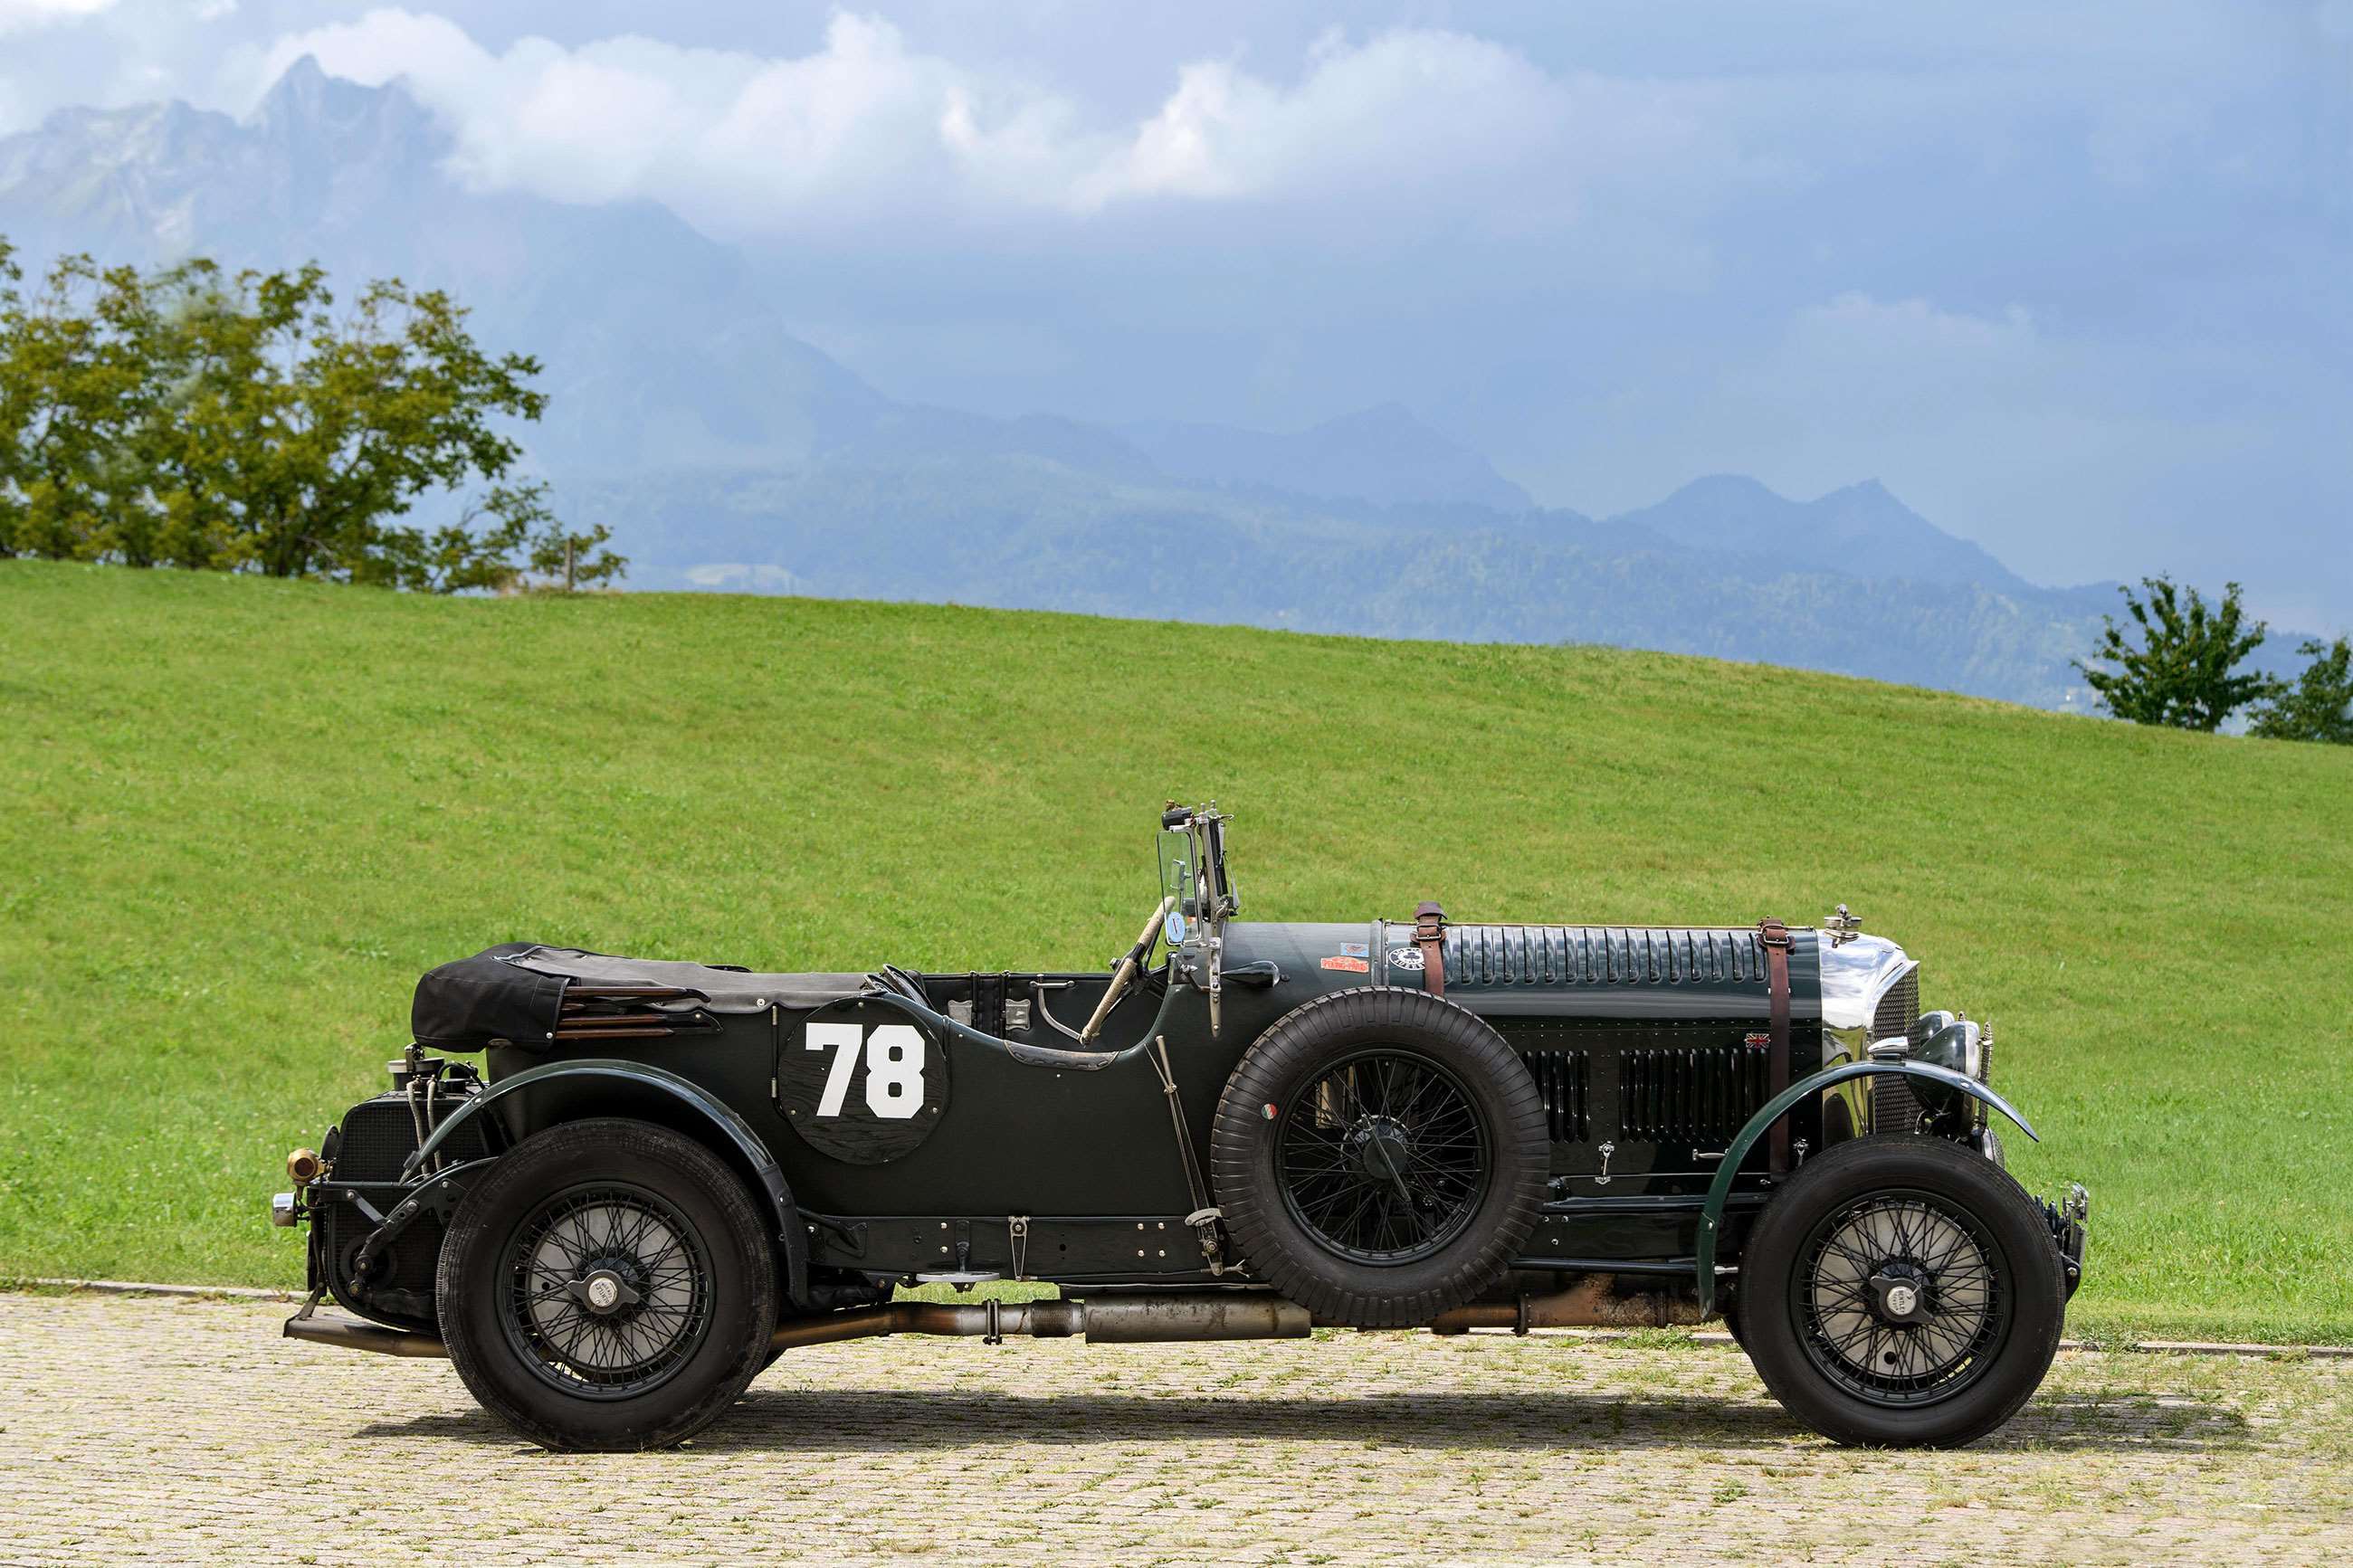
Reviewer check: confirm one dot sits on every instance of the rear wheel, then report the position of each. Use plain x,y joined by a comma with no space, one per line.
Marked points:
1379,1154
1903,1291
609,1285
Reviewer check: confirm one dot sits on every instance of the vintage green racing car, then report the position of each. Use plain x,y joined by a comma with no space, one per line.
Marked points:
664,1175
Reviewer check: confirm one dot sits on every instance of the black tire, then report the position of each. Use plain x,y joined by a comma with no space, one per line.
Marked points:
1462,1204
687,1250
1987,1299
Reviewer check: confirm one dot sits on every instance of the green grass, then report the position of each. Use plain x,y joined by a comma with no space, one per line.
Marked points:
239,818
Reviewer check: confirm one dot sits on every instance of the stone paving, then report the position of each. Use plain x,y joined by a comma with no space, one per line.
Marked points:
177,1431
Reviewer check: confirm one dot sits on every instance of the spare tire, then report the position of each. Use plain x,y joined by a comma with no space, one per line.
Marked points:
1380,1155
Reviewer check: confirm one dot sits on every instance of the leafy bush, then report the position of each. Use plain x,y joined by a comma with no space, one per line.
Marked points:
2183,674
194,418
2319,706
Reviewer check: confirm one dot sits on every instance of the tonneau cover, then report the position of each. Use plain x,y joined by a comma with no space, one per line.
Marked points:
514,993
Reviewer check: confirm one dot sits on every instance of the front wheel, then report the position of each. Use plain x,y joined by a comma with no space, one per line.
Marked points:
609,1285
1901,1292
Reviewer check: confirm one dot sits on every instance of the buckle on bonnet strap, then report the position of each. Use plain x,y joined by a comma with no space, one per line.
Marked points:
1429,935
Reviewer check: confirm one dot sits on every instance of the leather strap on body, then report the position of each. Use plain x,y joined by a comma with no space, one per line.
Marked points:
1429,935
1775,939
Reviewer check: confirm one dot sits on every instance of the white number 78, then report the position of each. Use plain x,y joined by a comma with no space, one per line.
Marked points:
895,1067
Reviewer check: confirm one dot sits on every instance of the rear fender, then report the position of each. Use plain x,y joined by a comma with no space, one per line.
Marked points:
713,1117
1710,1218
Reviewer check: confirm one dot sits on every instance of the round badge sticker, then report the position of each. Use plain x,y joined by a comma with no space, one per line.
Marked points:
1173,928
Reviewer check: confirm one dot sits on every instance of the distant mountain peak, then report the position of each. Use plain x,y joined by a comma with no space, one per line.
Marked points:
305,76
1860,529
305,103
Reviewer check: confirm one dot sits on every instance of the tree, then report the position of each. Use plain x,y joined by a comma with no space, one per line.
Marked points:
2181,675
2319,706
199,419
77,385
303,437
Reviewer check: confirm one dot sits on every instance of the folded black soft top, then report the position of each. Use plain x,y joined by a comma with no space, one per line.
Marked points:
514,993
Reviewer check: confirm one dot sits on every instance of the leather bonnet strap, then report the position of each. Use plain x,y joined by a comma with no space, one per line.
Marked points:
1776,938
1429,935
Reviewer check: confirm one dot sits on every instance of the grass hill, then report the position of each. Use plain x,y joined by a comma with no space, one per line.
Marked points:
238,817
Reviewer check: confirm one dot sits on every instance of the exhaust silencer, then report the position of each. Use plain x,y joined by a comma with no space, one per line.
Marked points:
1594,1302
358,1336
1120,1319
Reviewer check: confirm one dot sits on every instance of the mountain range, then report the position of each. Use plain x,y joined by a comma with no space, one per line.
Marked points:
726,452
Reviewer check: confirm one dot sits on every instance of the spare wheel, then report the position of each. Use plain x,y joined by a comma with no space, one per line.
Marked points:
1380,1155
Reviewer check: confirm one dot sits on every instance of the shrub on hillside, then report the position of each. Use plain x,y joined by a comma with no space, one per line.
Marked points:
2183,673
2319,706
195,418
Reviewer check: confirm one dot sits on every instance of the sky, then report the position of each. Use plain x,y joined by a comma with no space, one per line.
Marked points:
2072,280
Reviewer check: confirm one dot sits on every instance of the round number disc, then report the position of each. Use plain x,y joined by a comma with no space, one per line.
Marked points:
862,1082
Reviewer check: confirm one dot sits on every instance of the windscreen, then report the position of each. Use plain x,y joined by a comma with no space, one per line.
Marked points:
1193,869
1178,874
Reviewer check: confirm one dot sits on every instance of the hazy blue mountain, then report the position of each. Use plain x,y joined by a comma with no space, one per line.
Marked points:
1024,533
1858,532
661,347
724,451
1382,455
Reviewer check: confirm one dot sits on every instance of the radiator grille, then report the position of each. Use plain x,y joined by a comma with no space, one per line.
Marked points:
1893,1107
1565,1079
378,1135
1701,1094
1899,1007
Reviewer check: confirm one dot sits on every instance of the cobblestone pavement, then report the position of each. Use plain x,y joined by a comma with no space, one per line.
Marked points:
189,1431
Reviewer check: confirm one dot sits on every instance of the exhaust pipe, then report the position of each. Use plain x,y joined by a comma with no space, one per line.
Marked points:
1595,1301
1110,1321
357,1336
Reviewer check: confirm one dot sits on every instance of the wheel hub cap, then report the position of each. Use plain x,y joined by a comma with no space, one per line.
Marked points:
1381,1149
1898,1295
606,1288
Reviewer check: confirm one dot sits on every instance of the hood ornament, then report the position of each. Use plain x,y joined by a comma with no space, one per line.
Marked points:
1842,926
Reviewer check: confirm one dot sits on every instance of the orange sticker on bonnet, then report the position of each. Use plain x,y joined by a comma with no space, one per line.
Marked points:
1353,965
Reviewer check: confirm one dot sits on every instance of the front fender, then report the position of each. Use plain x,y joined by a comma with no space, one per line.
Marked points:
717,1112
1710,1218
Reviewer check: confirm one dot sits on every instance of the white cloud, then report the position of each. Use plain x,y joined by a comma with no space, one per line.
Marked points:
24,14
867,125
1401,107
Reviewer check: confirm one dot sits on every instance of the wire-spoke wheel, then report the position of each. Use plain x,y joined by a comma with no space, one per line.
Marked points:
1384,1157
1900,1289
608,1284
608,1290
1379,1154
1899,1299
